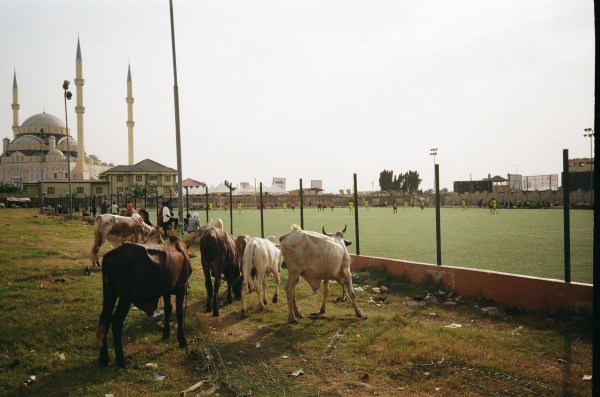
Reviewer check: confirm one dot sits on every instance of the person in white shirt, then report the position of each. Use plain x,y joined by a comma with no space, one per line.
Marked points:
114,209
168,219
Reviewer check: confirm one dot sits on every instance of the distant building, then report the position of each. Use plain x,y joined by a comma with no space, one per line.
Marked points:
161,180
43,153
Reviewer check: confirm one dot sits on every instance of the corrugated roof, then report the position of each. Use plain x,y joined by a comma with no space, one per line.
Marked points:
192,183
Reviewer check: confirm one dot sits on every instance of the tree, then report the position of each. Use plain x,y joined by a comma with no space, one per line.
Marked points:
10,188
408,182
386,180
140,191
411,181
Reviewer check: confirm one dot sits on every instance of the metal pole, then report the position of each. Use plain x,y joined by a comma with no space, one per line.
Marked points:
356,216
438,232
230,209
301,207
206,190
566,216
177,130
42,171
262,219
187,201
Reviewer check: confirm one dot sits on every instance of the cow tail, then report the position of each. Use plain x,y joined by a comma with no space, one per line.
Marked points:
252,268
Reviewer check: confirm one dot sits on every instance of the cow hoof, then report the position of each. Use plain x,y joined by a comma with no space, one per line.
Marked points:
293,321
183,343
275,299
244,314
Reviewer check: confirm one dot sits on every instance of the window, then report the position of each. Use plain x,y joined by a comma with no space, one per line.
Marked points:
138,178
50,190
56,175
152,177
119,190
119,178
167,190
167,178
79,190
98,190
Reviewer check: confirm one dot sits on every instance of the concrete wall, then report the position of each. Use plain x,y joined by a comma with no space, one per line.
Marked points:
527,293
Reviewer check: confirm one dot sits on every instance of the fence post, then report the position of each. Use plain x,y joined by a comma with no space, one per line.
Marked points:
356,216
301,207
567,220
438,232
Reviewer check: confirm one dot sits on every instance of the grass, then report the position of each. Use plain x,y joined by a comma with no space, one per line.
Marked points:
50,311
527,242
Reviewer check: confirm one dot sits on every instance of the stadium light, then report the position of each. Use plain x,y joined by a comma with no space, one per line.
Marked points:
68,96
590,134
433,152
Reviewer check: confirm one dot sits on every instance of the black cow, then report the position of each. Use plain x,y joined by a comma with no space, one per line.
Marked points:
140,274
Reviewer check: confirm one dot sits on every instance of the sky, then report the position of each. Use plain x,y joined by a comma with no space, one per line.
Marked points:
313,89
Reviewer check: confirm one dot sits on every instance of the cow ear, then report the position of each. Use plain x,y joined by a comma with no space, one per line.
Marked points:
347,243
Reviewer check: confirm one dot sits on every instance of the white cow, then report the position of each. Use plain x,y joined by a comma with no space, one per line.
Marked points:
118,229
316,257
265,258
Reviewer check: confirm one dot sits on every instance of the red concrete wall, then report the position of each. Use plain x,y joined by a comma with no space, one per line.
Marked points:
528,293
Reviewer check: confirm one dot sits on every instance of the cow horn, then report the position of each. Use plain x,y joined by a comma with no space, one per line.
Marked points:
324,230
345,226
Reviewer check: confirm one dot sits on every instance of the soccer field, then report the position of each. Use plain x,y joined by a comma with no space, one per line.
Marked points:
518,241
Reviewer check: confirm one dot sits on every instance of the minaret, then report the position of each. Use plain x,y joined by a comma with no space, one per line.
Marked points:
130,122
15,107
81,170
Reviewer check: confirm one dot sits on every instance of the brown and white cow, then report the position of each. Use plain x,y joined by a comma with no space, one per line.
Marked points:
240,245
218,257
261,257
118,229
140,274
316,257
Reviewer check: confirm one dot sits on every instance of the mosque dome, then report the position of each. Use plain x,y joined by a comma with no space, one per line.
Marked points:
54,152
42,120
63,141
26,140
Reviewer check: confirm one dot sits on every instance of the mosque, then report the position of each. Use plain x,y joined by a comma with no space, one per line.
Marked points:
42,152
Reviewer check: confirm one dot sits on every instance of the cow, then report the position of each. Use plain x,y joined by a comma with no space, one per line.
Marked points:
140,274
141,212
262,257
195,236
118,229
316,257
240,245
218,257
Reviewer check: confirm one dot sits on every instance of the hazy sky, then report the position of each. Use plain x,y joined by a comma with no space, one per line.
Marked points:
316,89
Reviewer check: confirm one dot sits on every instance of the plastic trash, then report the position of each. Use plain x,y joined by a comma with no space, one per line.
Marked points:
159,377
29,381
297,373
453,325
